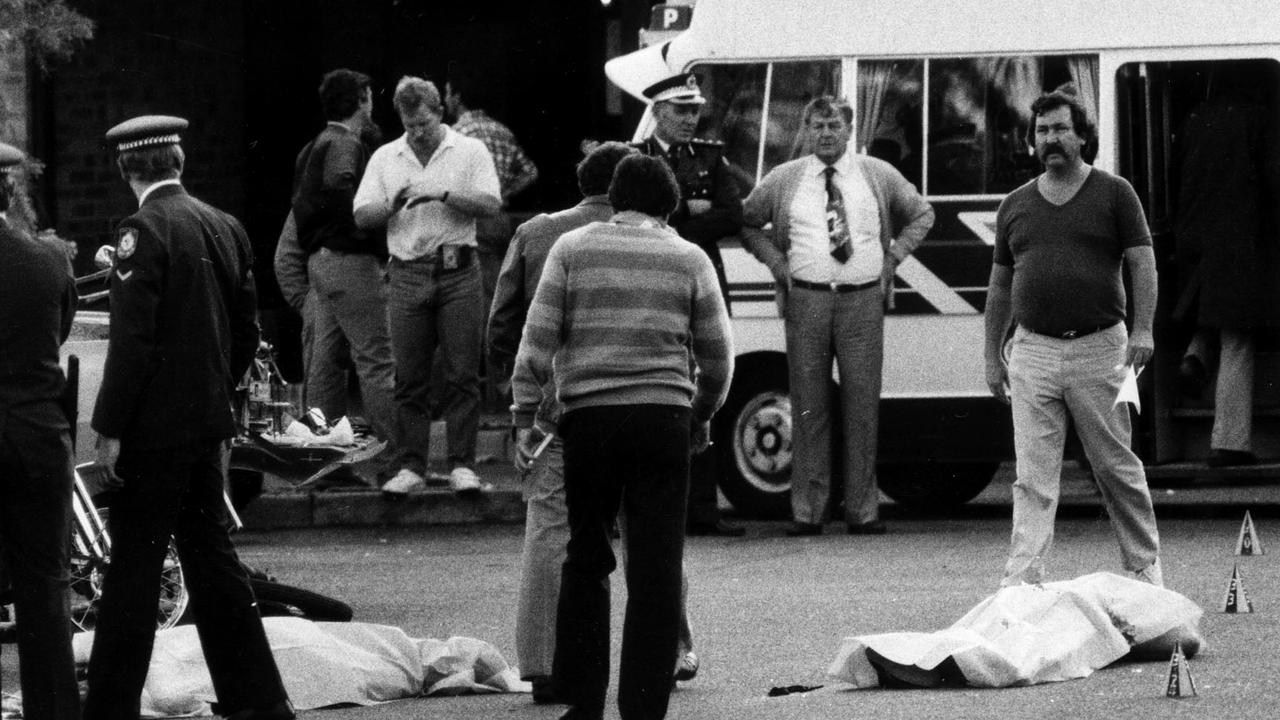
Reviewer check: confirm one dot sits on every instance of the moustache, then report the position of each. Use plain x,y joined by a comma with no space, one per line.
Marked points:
1051,149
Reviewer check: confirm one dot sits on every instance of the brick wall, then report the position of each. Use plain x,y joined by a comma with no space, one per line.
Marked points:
149,57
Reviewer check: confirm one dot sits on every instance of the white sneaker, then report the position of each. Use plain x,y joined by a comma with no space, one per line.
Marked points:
406,481
464,481
1151,574
686,667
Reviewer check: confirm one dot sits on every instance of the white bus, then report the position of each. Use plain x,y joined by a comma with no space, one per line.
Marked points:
942,90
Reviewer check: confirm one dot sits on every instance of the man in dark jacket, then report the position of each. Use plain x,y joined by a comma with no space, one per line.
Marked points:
37,304
183,331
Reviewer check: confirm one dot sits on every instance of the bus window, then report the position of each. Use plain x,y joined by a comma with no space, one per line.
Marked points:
890,95
794,85
735,99
979,110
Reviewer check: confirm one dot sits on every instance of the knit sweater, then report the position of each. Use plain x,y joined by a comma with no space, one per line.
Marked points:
630,313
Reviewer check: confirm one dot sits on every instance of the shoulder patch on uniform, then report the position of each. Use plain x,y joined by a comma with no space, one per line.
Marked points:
126,242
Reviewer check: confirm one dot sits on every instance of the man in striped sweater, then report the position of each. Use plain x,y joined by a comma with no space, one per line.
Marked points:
620,308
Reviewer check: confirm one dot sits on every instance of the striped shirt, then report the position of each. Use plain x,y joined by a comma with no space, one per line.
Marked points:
631,314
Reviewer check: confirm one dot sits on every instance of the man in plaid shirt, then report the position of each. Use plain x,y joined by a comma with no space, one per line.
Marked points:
464,100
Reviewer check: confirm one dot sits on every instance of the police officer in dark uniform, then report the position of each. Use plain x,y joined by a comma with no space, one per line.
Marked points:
710,209
37,304
183,331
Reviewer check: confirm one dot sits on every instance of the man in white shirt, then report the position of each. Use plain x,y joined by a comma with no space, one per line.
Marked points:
428,187
841,224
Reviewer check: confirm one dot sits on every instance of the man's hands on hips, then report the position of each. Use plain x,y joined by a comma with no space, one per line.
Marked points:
108,454
1141,347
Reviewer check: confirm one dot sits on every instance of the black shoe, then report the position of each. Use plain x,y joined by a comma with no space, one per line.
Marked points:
543,692
804,529
1227,458
875,527
1192,376
576,713
722,528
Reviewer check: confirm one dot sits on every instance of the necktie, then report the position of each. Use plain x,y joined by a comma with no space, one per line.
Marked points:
837,222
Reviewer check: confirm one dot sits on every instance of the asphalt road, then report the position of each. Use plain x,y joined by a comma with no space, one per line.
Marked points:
771,611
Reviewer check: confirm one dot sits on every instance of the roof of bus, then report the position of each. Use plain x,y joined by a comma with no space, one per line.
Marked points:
780,29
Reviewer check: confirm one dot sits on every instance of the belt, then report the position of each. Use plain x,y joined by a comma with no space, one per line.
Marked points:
833,287
1073,334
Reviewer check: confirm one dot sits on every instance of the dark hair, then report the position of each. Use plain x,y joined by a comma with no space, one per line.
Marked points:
1051,101
644,184
595,171
824,106
466,83
413,93
341,91
153,163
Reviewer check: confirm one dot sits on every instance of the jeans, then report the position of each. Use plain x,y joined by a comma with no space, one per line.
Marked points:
434,308
324,349
350,289
1052,381
1233,353
634,458
177,492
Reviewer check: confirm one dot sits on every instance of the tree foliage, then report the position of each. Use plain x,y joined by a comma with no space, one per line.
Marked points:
50,29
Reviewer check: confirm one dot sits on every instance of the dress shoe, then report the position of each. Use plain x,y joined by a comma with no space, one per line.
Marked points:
804,529
723,528
875,527
543,692
1192,376
1228,458
687,667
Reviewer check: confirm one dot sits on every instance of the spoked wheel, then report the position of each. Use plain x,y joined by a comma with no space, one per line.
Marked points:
88,571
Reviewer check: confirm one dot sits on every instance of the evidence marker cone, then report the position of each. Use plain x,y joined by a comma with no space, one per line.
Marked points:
1180,683
1249,544
1236,599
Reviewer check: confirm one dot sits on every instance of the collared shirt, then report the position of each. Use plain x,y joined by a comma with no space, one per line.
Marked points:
509,158
150,189
810,254
458,164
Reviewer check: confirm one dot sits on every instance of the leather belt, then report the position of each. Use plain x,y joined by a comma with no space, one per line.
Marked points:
833,287
1073,334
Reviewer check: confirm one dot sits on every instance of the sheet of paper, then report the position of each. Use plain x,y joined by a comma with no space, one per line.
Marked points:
1129,389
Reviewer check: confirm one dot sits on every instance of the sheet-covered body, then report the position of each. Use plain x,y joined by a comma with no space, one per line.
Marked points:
1029,634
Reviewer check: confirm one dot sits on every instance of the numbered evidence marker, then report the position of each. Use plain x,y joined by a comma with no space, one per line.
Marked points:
1180,683
1236,600
1249,544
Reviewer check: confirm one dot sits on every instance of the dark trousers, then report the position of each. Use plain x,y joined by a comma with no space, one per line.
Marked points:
634,458
35,536
178,492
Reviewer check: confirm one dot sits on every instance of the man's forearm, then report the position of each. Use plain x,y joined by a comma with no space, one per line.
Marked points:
998,312
1142,273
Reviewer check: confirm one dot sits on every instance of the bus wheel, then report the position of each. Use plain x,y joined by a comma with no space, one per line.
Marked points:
753,436
935,485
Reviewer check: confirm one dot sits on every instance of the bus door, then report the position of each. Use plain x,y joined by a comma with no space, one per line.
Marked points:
1197,139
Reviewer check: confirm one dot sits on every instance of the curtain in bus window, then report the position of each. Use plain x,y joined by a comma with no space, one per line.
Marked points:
735,104
794,85
889,120
1084,74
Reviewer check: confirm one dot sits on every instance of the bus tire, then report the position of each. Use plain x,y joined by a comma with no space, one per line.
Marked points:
752,433
931,485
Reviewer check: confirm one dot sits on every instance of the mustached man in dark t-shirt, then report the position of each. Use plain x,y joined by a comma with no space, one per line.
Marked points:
1060,243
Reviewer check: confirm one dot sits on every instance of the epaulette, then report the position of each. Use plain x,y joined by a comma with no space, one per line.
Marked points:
707,143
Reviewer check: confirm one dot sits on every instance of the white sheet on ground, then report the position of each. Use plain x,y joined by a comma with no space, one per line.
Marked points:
1031,634
326,664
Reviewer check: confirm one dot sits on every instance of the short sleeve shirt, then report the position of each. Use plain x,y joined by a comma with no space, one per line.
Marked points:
1066,259
459,163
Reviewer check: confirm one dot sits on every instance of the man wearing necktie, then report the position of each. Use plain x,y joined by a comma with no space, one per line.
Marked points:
841,224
